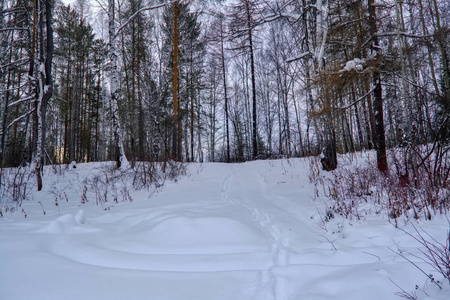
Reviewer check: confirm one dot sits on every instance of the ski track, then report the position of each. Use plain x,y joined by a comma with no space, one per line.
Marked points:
280,247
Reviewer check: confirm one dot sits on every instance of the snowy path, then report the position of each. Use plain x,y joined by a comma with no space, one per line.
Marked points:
239,231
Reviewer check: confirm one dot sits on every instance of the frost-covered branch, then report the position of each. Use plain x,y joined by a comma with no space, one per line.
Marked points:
15,88
20,101
139,11
298,57
20,118
405,34
359,100
15,63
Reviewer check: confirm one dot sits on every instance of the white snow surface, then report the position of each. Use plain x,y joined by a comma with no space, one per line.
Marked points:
223,231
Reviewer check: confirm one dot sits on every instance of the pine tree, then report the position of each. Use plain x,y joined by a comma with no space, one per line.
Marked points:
184,58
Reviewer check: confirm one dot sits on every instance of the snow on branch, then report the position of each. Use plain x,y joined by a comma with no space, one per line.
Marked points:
405,34
16,63
290,16
280,13
20,101
356,64
295,58
13,29
20,118
357,101
139,11
15,88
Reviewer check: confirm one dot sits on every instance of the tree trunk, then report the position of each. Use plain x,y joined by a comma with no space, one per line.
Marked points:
191,125
141,134
329,159
379,135
121,159
429,52
45,85
225,92
252,70
441,38
4,93
176,134
4,100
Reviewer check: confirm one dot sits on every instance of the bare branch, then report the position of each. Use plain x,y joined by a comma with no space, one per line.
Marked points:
20,118
360,99
302,55
15,88
406,34
17,63
138,12
20,101
13,29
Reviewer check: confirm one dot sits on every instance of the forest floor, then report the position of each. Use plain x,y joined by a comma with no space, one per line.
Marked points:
222,231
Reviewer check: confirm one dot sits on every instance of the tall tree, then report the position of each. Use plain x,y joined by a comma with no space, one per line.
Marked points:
379,134
184,60
217,42
122,161
176,139
41,70
245,16
80,61
135,57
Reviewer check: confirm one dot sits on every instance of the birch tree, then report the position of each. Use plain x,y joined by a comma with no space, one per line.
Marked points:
40,83
122,161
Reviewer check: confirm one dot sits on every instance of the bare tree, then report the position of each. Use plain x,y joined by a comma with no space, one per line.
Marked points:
122,161
245,17
379,135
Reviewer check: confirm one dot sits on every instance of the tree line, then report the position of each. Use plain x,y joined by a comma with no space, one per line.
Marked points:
215,80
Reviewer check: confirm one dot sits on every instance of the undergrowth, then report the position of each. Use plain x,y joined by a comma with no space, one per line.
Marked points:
104,185
416,186
15,188
113,186
418,189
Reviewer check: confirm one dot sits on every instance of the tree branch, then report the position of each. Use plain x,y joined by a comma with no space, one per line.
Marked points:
139,11
20,118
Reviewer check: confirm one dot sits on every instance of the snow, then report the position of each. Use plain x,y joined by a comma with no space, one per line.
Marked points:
354,65
223,231
42,68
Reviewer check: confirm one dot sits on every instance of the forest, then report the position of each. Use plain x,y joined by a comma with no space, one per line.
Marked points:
226,81
224,149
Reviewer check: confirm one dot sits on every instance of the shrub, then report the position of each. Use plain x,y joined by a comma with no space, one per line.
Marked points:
418,184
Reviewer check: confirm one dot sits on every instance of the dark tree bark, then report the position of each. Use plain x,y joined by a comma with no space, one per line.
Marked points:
176,134
244,20
44,88
222,53
252,71
329,159
379,134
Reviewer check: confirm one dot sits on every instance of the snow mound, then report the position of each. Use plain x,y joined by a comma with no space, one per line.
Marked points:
80,217
206,235
175,244
66,224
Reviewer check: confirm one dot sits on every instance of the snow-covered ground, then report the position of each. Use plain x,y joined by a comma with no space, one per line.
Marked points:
223,231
